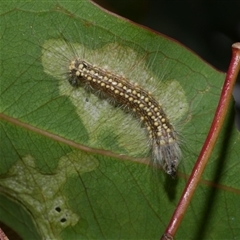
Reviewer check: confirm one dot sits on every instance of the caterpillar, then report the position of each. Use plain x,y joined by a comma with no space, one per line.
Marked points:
163,137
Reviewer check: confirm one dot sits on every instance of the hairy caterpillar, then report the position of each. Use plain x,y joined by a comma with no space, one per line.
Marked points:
162,135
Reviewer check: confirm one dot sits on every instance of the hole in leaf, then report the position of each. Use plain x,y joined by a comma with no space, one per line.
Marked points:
58,209
63,220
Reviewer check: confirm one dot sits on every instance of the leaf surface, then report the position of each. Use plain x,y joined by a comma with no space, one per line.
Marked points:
68,173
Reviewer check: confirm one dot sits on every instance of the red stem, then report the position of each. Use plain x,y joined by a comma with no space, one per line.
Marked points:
2,235
207,148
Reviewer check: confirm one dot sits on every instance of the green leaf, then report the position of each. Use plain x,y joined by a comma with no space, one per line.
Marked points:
72,163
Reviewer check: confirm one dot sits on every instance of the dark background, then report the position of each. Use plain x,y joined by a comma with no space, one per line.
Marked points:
209,28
